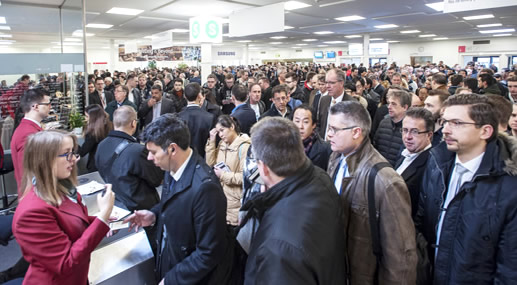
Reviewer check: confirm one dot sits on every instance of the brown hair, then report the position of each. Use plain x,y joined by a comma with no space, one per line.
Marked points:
99,124
481,110
41,152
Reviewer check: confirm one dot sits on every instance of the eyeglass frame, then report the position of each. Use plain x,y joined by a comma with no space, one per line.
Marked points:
334,131
69,155
413,132
455,123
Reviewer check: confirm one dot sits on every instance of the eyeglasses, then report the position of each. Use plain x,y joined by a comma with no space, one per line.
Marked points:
413,132
454,123
333,130
69,155
280,99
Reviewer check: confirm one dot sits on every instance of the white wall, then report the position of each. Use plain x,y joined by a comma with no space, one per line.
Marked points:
448,50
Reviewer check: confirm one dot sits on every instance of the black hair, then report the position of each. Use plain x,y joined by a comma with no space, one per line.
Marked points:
192,90
167,129
308,108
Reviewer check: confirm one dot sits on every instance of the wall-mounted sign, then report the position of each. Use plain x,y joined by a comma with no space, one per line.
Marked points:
147,52
206,30
461,48
222,53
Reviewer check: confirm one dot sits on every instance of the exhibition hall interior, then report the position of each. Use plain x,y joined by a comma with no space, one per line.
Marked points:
66,46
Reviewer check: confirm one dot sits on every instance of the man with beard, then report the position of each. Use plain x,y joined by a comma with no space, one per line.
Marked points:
434,103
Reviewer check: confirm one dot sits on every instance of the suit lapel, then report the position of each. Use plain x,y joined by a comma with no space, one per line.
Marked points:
73,209
185,180
417,163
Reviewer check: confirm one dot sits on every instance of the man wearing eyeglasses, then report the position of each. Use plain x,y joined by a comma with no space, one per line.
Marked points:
335,83
467,207
417,132
36,106
279,107
350,165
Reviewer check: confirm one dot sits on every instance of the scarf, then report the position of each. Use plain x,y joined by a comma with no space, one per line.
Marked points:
308,141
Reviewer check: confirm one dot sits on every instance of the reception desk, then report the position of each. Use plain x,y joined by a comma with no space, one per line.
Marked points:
125,258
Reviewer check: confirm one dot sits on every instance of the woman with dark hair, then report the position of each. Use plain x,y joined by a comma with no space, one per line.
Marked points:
51,223
96,130
228,160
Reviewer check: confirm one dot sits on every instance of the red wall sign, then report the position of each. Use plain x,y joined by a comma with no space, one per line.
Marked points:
461,48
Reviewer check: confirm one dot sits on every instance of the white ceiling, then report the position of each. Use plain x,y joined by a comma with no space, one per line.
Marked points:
37,21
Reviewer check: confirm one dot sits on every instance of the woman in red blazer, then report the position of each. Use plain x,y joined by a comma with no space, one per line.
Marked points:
51,223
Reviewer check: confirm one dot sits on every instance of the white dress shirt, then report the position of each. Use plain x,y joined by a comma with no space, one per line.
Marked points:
409,158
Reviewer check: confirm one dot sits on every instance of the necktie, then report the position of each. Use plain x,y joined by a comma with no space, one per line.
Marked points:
341,172
460,171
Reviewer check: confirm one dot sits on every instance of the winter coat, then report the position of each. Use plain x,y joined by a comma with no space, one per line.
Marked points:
234,156
479,230
388,140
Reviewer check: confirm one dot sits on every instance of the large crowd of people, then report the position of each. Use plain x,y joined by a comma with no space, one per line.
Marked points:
282,174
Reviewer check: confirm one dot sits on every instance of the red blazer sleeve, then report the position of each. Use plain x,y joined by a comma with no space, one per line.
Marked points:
43,241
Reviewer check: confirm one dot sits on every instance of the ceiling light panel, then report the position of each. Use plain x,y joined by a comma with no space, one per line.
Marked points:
309,40
479,17
350,18
2,20
293,5
497,31
392,42
324,33
278,37
5,36
440,39
502,35
427,36
98,26
489,25
288,27
335,42
410,32
124,11
5,28
387,26
353,36
376,39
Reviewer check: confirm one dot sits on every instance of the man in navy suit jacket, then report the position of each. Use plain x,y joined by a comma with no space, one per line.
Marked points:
199,121
242,111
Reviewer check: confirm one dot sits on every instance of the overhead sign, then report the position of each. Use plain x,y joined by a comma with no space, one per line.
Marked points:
162,40
222,53
240,20
206,30
378,48
452,6
355,49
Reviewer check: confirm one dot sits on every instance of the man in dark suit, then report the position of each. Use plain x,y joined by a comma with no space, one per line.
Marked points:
134,94
335,80
193,250
155,106
242,111
199,121
417,132
122,161
121,93
100,97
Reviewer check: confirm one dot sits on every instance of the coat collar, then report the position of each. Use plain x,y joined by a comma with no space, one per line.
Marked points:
74,209
186,178
417,163
122,135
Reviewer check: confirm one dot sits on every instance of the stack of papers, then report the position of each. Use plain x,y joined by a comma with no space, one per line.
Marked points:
89,188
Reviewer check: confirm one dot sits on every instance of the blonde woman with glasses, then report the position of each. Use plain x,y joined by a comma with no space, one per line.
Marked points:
51,223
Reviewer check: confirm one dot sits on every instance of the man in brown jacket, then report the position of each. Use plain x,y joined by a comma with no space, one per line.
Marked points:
350,164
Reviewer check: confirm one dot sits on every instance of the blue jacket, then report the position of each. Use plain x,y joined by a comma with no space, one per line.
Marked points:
477,240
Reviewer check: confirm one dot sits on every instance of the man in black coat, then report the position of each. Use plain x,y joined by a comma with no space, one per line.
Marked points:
199,122
417,132
155,106
300,239
121,93
193,243
279,108
122,161
242,111
100,96
316,149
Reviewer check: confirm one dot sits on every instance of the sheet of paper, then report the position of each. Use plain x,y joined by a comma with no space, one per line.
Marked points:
90,187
